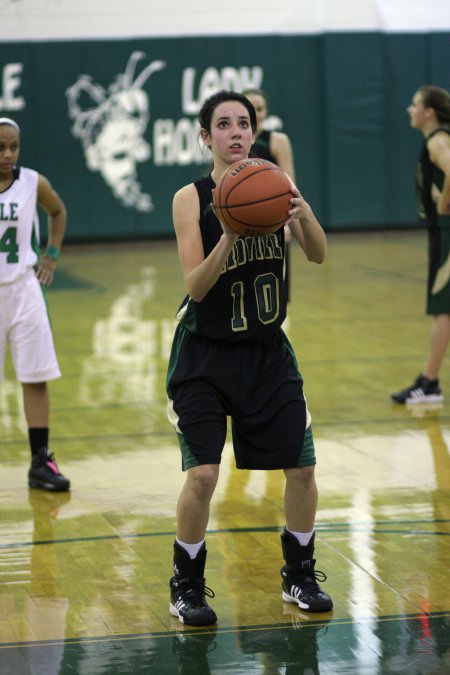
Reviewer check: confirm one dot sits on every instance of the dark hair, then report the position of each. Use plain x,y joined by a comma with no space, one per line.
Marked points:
256,92
211,103
438,99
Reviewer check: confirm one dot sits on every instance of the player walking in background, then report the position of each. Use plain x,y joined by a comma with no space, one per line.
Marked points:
24,321
430,113
230,357
276,147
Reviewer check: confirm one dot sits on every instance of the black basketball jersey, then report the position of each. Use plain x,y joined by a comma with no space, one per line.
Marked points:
261,147
428,174
248,301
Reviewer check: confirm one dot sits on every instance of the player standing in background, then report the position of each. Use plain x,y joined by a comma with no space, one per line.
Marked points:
276,147
430,113
24,321
230,357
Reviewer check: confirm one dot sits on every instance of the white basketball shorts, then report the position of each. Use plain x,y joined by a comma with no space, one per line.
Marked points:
25,325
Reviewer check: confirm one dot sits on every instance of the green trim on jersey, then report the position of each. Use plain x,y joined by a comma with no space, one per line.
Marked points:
188,316
35,239
177,343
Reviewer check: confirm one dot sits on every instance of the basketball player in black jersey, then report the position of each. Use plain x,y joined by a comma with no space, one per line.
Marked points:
274,146
230,357
430,113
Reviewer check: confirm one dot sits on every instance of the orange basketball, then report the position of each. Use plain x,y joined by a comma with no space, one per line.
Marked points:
253,197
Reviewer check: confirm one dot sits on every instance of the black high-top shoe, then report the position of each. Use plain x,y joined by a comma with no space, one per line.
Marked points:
299,583
45,474
422,390
188,590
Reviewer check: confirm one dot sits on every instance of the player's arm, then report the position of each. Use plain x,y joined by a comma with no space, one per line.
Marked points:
200,273
439,147
53,205
306,229
281,149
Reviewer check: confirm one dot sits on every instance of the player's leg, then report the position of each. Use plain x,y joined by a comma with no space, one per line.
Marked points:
34,357
43,472
426,388
36,404
273,433
193,502
188,589
299,576
439,341
300,499
196,411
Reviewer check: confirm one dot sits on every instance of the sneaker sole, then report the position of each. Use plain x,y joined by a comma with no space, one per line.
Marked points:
438,398
294,601
173,610
36,484
306,608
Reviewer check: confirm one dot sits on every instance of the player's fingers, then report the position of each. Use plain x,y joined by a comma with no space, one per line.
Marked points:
296,207
45,276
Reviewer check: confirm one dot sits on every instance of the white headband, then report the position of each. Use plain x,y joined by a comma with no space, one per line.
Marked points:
7,120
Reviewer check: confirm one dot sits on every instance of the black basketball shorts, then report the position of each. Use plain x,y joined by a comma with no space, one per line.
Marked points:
438,287
255,383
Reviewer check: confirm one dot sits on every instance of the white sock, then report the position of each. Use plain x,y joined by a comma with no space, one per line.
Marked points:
192,549
303,538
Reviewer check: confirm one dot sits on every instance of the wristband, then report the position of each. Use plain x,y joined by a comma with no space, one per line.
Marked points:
52,252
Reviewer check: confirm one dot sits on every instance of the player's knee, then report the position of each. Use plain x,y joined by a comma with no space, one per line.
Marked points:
203,480
303,476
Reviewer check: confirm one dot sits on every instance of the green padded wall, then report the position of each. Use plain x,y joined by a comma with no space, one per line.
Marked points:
112,123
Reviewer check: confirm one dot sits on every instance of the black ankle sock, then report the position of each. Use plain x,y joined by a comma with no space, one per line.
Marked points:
38,437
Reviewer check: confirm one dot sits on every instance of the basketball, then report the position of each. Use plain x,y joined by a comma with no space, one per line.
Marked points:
253,197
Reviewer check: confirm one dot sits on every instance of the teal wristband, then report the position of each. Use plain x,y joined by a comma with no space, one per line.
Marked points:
52,252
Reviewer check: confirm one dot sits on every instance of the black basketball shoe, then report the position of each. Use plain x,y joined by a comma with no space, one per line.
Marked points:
422,390
188,589
300,579
45,474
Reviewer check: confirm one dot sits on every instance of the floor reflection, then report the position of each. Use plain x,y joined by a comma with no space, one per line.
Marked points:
43,606
406,645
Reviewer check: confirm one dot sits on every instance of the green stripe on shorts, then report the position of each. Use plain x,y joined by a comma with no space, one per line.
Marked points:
308,454
187,458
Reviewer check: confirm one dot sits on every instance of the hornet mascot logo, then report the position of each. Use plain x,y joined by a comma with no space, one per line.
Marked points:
111,129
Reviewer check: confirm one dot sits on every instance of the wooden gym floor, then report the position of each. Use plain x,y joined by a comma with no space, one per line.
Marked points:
84,576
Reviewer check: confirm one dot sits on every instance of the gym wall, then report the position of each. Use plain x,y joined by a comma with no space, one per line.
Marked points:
112,122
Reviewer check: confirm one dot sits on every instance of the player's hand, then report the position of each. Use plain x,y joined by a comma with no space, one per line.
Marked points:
226,228
46,270
435,193
443,208
298,206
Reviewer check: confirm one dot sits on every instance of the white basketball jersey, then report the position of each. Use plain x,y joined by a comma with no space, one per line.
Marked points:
19,226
